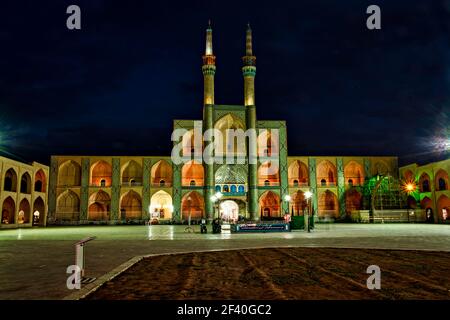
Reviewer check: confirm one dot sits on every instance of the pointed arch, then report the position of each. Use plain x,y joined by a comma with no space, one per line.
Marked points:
411,202
99,206
193,204
424,182
326,173
299,203
427,205
353,201
10,180
25,183
298,173
229,121
441,180
189,143
161,205
69,174
328,204
192,174
8,211
131,206
68,206
408,176
268,174
268,143
443,206
101,174
38,211
40,181
269,204
24,215
354,173
132,173
381,168
230,143
161,174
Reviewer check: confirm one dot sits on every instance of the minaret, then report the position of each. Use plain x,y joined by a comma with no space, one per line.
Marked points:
209,68
249,72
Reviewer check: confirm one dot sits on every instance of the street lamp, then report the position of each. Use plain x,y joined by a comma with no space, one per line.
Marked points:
409,187
189,199
215,199
287,198
308,196
188,228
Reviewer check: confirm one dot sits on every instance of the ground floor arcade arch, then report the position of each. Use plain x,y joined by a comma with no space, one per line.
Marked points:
8,211
131,206
328,205
38,211
192,205
161,205
24,215
443,207
353,201
99,206
427,205
269,204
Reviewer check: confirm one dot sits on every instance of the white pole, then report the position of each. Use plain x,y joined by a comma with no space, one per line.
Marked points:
79,253
79,257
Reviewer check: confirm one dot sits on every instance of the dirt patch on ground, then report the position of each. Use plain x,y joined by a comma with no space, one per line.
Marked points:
287,273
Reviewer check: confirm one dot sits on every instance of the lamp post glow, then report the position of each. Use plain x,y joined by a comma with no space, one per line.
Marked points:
308,196
215,199
189,202
409,186
288,198
189,228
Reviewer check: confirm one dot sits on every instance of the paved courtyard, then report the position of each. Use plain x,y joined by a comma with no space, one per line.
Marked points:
33,262
283,274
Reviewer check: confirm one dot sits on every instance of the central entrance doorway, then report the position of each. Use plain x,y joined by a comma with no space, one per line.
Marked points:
229,210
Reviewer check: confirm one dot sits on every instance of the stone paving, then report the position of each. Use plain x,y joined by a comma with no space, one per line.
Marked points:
33,262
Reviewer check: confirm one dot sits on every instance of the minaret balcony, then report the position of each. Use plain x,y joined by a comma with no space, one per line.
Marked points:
249,61
209,60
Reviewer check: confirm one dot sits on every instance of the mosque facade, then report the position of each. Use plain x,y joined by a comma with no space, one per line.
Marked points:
137,189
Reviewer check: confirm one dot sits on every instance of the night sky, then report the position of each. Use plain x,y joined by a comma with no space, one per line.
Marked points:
115,86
